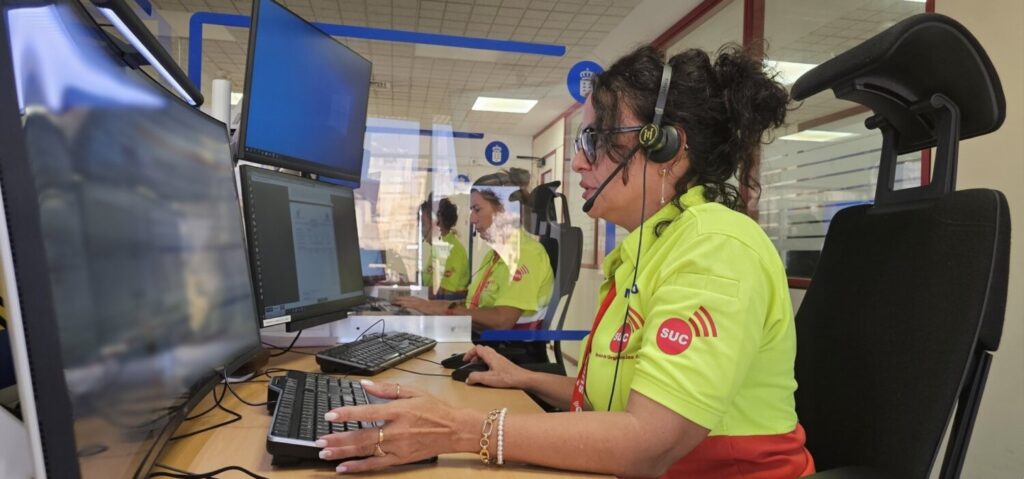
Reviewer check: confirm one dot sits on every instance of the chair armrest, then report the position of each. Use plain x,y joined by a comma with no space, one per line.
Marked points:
523,335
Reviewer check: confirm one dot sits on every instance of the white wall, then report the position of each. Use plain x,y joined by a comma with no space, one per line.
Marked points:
551,139
997,161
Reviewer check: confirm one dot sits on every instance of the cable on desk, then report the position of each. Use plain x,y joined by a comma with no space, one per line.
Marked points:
180,474
428,360
237,417
216,401
233,393
422,374
285,350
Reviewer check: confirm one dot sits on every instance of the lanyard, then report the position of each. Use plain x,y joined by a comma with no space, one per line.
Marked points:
474,302
581,378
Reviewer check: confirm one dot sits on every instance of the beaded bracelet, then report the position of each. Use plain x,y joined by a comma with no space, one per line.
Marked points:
501,436
485,441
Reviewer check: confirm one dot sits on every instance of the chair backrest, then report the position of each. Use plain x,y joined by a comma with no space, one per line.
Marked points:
890,323
564,244
908,297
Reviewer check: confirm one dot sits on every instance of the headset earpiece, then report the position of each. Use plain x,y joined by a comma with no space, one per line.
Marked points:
667,146
661,144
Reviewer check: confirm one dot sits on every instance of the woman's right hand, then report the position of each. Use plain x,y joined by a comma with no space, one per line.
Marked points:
501,372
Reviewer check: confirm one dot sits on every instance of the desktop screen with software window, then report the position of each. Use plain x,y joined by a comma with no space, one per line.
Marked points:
126,239
306,96
303,247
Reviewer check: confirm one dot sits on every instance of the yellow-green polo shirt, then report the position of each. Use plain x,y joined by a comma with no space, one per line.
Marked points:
450,253
710,334
525,285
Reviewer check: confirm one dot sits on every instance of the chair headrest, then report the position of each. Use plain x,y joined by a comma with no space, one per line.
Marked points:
896,71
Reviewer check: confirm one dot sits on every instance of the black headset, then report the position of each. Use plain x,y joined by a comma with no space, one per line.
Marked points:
661,144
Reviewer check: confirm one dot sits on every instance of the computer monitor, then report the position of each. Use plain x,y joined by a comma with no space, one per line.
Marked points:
374,266
120,243
305,99
303,248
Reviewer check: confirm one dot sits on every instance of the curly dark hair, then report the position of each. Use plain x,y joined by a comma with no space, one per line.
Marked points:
724,107
447,214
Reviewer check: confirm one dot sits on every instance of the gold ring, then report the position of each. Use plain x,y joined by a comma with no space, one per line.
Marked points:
378,451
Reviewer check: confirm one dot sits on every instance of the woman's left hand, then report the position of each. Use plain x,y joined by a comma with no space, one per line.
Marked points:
417,426
435,308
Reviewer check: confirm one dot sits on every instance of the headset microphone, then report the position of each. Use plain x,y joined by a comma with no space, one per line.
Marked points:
618,169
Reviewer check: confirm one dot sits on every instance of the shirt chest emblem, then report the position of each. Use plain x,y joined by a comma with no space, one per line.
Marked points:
620,340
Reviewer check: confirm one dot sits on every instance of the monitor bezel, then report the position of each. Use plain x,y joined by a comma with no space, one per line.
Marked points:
39,367
285,161
314,315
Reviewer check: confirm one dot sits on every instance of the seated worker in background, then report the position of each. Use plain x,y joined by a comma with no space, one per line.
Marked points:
511,288
691,374
446,267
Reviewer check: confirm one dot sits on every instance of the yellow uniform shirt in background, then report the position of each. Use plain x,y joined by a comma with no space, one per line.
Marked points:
447,265
527,286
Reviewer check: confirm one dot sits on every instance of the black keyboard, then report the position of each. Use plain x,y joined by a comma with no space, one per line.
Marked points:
298,402
373,353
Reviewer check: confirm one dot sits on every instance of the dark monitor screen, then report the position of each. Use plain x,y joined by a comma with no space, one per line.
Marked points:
305,98
145,268
304,248
374,265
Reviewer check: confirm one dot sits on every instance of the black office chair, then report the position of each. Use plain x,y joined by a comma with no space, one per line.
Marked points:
564,244
906,305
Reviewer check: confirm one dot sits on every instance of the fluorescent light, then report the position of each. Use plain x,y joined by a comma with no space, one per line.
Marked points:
917,1
235,97
503,105
139,47
817,135
788,71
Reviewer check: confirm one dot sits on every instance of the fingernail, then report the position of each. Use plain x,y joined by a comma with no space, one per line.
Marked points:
320,443
325,454
330,416
341,469
366,382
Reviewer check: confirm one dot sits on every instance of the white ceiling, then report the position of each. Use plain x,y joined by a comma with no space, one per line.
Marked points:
439,84
424,87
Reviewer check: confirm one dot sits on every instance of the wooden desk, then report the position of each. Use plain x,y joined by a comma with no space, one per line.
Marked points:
244,442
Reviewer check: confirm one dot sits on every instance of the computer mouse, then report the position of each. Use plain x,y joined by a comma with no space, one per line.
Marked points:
462,373
454,361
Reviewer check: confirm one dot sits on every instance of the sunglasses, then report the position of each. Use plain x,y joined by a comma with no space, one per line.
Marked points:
586,139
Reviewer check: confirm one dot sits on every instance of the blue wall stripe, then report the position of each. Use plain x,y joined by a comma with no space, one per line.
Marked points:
413,131
198,19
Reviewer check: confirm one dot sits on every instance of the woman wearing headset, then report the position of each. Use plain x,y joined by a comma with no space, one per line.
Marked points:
446,273
513,284
691,374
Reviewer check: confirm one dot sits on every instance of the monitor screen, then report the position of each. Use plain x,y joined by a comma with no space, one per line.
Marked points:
145,270
374,265
305,98
304,248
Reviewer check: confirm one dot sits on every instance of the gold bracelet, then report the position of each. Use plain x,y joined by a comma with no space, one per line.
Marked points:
485,441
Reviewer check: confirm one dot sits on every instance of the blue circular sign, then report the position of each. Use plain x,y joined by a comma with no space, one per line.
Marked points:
580,80
496,153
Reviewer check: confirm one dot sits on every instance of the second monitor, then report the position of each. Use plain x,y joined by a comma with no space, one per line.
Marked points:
303,248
